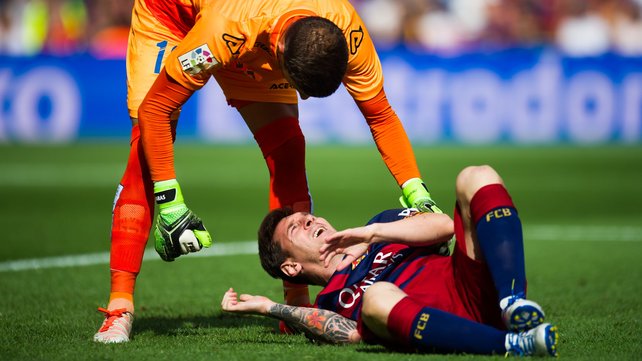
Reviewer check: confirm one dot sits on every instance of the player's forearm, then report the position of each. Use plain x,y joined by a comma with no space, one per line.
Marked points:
157,132
390,137
423,229
318,324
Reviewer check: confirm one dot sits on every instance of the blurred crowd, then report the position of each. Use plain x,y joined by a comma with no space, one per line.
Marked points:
576,27
64,27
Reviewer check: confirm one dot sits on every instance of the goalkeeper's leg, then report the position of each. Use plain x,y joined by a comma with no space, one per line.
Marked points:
131,223
283,146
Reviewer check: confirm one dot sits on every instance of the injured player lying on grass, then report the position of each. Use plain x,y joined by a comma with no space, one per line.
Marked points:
395,282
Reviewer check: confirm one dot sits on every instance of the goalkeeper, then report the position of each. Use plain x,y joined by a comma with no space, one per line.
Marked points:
261,53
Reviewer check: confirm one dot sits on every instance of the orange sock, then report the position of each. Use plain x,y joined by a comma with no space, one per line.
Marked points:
296,294
131,223
283,147
133,211
122,290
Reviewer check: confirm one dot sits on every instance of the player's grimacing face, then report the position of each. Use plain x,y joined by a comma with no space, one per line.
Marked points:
302,234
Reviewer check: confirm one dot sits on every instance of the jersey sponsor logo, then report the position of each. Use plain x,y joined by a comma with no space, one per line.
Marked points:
356,37
233,43
350,295
197,60
276,86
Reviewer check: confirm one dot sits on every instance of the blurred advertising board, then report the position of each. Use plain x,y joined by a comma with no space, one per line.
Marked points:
519,96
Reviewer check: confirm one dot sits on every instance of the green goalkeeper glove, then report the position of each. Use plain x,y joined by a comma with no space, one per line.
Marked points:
178,230
415,195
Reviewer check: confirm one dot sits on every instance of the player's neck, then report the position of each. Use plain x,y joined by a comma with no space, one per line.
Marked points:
327,272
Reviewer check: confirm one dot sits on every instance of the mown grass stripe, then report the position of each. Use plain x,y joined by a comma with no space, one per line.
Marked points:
531,233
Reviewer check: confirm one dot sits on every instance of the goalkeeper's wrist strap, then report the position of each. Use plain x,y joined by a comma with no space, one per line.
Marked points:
412,188
168,193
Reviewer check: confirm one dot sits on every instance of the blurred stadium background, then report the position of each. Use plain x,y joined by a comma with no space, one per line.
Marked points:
549,92
462,71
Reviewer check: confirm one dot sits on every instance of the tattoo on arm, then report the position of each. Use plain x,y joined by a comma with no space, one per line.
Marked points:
319,324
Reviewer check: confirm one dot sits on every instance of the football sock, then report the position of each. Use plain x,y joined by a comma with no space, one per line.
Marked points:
283,147
430,330
122,290
499,232
296,294
131,223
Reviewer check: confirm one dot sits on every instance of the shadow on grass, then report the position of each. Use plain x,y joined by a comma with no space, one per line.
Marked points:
182,325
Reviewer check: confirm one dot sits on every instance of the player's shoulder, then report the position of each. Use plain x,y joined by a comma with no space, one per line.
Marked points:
391,215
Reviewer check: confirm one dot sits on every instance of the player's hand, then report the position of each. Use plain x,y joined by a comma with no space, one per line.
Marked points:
244,303
415,195
352,242
178,230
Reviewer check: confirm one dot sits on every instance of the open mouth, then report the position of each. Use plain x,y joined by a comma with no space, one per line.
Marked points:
318,232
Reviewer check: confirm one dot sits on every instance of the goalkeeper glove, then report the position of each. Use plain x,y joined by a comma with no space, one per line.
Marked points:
416,195
178,230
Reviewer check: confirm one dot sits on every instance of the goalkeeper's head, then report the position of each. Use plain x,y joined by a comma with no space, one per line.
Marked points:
313,54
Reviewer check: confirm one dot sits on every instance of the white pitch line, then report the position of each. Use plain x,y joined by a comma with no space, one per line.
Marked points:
90,259
531,233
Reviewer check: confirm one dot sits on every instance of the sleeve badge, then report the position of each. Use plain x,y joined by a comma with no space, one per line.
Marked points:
197,60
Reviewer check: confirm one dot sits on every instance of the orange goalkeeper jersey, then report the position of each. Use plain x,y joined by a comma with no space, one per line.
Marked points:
228,33
242,36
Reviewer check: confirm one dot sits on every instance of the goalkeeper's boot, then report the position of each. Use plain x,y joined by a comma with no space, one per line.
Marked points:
520,314
116,327
539,341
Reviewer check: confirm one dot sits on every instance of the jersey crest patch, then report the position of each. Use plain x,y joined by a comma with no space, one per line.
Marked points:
233,43
356,262
197,60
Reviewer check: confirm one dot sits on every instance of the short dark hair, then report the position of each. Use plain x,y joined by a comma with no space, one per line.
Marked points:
315,56
270,252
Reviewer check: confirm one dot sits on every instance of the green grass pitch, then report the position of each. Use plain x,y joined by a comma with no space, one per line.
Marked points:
581,208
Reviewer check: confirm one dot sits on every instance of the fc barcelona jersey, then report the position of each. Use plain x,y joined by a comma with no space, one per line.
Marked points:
391,262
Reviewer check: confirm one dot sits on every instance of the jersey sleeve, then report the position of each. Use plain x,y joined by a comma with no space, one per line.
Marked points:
212,43
390,137
364,76
157,129
392,215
